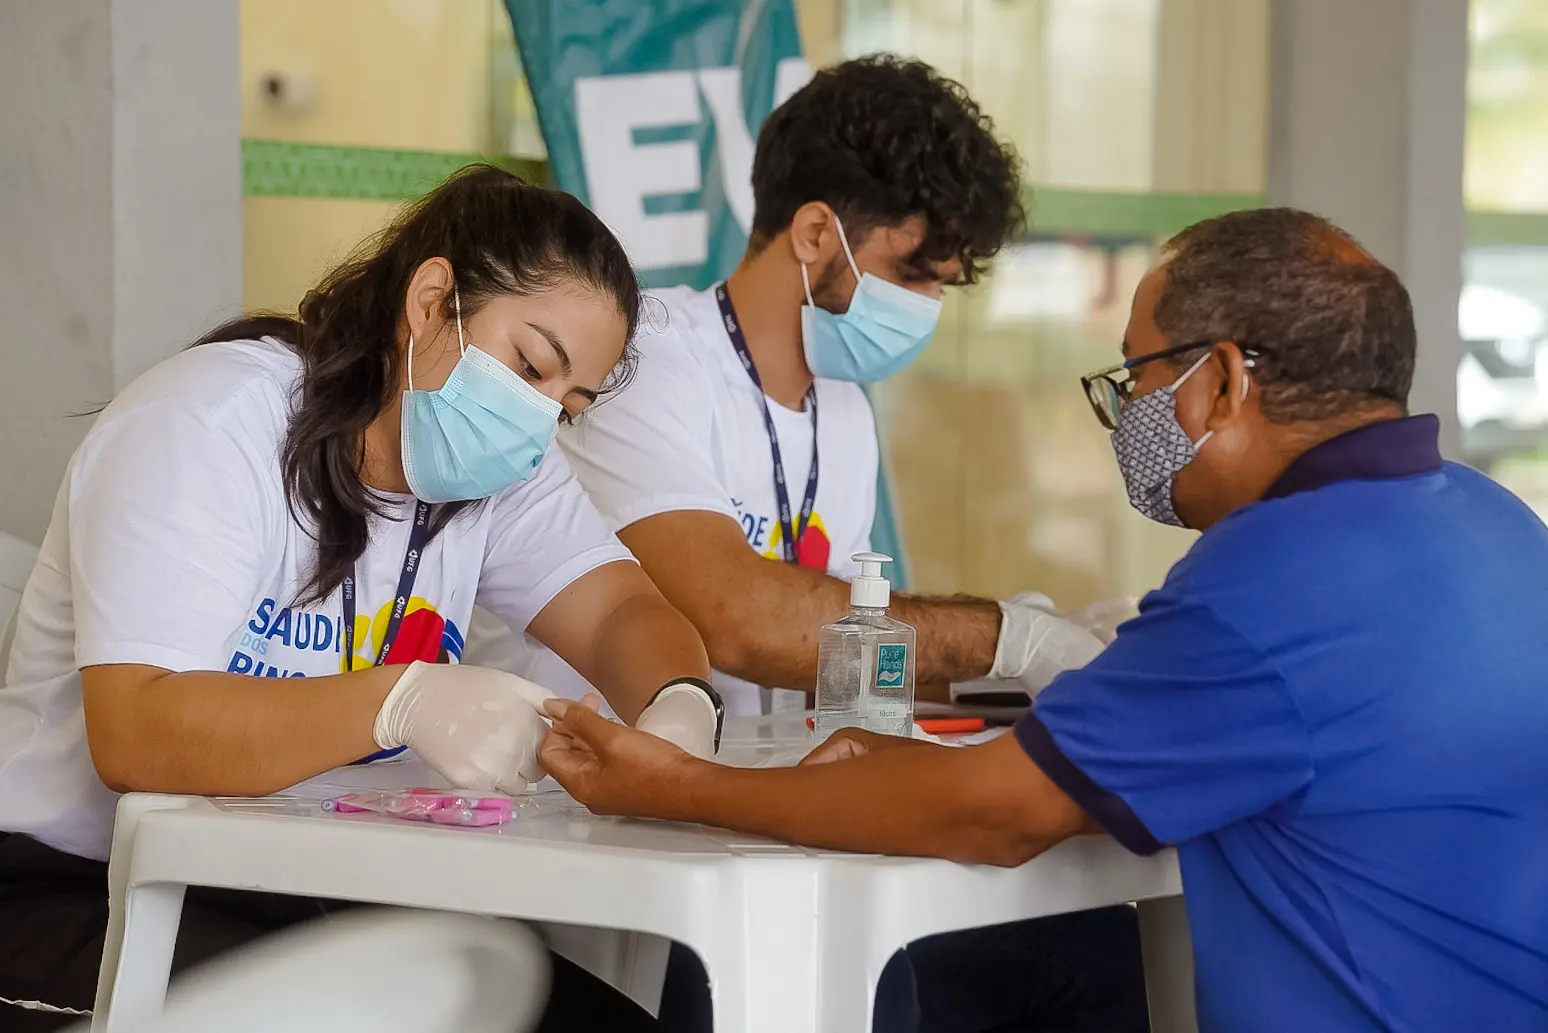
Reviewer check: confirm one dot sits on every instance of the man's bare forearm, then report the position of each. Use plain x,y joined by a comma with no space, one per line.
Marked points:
956,637
760,618
985,804
962,634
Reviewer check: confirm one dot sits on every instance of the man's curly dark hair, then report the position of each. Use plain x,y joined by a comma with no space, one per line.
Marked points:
880,139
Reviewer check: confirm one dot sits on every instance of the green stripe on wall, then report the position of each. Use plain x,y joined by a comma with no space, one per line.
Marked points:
1145,216
1504,228
1091,213
277,168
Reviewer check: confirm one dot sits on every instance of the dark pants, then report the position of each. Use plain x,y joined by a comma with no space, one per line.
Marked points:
1076,973
53,920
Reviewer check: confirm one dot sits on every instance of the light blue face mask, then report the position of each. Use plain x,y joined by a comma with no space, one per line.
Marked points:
885,328
482,431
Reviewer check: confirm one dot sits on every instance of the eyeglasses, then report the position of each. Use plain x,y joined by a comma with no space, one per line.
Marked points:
1108,395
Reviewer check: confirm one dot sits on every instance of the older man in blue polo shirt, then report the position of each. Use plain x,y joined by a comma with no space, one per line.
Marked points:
1336,707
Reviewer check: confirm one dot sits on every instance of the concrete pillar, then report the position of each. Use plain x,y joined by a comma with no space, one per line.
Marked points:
1211,92
1098,121
121,199
1368,107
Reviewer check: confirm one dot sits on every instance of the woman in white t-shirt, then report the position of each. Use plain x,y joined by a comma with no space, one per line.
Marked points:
265,554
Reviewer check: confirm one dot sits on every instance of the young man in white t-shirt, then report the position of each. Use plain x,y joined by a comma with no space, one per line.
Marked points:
876,186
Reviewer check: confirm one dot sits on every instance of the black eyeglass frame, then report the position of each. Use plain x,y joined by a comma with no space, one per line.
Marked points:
1108,396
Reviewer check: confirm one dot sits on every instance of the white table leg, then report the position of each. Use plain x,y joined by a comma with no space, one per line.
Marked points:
158,907
849,987
1167,947
634,963
645,971
764,959
144,933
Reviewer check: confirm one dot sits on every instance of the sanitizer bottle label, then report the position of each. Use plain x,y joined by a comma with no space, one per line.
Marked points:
891,660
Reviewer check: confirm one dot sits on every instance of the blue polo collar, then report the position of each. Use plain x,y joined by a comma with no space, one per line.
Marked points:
1402,447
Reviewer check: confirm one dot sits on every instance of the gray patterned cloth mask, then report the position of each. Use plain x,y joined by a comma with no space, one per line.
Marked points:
1152,449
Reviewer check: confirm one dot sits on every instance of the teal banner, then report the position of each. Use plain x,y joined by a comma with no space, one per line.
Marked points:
649,109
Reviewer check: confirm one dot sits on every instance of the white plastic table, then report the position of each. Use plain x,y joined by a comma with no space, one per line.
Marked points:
794,940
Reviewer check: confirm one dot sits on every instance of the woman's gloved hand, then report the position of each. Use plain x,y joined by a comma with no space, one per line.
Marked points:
478,727
1036,645
686,714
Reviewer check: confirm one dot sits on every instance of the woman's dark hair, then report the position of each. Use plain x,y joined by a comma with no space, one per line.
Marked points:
881,139
502,236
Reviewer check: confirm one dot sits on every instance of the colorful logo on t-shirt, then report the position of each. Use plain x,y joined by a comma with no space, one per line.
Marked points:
278,641
423,634
768,538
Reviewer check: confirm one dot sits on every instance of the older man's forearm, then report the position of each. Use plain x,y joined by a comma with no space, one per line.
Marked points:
987,804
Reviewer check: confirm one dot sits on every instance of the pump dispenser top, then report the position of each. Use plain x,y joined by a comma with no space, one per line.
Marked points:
870,591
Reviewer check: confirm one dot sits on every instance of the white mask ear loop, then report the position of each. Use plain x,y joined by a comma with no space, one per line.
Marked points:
462,348
850,255
1246,387
1182,380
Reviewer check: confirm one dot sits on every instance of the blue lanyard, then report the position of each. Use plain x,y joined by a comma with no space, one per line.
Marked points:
418,536
790,531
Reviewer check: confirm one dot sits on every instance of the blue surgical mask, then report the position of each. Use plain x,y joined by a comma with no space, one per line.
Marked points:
885,328
482,431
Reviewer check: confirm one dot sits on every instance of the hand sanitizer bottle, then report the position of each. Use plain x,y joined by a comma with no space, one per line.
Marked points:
865,662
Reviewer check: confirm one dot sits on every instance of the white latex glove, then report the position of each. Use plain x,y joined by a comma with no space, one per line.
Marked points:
684,716
1037,599
1036,646
478,727
1102,618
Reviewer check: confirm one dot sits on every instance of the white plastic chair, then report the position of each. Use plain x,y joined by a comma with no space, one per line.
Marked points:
17,558
6,638
363,972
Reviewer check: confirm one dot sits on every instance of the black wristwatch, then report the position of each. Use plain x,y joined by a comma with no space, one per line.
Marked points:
708,690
